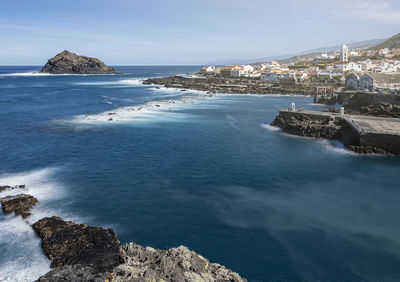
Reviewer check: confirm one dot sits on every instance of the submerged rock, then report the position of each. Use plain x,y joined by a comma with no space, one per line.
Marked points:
20,204
7,187
70,63
178,264
69,243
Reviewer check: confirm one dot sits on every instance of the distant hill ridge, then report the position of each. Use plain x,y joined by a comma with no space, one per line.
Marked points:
392,42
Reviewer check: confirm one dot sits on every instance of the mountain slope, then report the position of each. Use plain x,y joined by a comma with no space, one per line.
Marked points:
360,44
392,42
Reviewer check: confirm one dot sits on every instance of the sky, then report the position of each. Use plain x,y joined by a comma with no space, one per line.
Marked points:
185,32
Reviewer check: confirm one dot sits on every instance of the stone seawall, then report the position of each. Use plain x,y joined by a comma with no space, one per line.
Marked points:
364,135
355,101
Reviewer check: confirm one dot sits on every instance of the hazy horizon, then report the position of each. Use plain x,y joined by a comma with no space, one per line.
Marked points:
177,32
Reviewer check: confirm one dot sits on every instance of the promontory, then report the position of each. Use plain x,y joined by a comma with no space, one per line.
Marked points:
71,63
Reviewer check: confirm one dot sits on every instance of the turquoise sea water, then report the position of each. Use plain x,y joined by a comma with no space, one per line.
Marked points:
188,169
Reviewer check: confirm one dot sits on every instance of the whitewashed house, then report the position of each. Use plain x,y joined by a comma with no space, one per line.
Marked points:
207,70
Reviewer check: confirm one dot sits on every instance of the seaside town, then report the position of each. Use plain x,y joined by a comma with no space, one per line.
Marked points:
364,69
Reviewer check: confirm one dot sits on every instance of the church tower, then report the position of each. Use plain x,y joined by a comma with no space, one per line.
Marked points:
344,53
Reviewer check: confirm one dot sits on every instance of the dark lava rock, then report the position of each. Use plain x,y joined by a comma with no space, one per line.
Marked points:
328,128
69,243
20,204
177,264
382,110
305,126
6,187
70,63
76,273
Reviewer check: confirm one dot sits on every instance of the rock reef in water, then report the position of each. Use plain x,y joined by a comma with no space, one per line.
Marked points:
69,243
19,204
70,63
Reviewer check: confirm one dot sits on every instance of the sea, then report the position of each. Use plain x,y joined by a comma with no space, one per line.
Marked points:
164,167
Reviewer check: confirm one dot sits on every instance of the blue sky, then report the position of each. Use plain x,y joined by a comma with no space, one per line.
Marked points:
171,32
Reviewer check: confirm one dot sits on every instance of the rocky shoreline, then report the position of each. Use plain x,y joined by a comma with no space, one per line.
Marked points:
79,252
214,85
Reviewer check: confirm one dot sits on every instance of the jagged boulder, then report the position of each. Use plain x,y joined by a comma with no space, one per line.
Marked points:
20,204
7,187
177,264
382,110
69,243
70,63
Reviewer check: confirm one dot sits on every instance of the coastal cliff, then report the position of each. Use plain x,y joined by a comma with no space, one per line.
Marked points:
70,63
79,252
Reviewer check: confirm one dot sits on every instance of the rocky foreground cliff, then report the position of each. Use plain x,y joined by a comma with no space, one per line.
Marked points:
79,252
70,63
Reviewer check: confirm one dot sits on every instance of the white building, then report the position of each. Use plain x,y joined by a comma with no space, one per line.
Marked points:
383,52
349,67
207,70
354,53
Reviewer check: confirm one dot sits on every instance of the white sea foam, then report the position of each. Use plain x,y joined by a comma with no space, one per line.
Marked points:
122,82
270,127
335,146
154,111
21,257
46,74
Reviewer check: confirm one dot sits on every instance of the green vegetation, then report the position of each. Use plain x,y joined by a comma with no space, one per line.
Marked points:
393,42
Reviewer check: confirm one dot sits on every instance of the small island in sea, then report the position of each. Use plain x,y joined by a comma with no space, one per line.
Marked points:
71,63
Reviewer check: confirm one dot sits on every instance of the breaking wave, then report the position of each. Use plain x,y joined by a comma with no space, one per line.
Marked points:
22,256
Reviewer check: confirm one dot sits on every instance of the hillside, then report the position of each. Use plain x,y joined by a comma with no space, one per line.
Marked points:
392,42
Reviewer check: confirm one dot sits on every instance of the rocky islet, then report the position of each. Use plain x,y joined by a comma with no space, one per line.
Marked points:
71,63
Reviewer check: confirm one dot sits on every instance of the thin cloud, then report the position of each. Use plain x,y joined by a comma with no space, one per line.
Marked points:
379,11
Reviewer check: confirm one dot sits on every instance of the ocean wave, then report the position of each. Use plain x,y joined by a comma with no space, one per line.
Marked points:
34,73
154,111
336,147
270,127
118,82
22,258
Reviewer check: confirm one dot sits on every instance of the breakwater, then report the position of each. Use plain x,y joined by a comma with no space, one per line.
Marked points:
361,134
